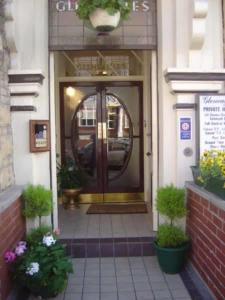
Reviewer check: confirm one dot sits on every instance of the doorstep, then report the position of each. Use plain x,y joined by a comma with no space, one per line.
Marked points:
109,247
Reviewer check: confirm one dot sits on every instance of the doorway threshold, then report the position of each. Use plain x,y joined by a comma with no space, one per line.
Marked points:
107,235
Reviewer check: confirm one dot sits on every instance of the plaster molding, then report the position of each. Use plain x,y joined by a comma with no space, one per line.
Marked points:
24,89
199,15
194,81
196,86
10,29
25,82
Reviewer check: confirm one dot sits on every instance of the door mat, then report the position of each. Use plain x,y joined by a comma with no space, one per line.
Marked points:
139,208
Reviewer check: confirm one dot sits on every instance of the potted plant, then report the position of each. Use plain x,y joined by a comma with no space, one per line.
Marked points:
212,172
38,201
71,181
104,15
40,264
171,242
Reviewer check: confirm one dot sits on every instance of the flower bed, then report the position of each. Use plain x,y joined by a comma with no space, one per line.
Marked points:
40,264
211,172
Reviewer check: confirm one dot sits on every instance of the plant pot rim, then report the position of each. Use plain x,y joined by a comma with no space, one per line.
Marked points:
180,248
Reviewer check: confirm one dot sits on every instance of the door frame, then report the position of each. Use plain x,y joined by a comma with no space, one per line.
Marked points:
149,79
100,85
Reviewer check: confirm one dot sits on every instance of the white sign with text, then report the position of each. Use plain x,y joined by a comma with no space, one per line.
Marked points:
212,122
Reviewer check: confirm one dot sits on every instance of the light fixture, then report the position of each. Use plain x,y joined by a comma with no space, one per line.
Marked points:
70,91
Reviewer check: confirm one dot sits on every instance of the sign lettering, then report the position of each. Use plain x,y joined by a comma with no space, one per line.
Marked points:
71,5
212,122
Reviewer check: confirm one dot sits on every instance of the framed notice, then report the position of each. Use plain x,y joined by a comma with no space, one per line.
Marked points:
211,122
39,136
185,128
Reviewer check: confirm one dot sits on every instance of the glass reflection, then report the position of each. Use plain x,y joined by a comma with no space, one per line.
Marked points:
86,136
119,142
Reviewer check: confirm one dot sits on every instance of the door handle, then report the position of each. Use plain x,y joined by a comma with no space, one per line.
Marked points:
104,136
99,130
148,153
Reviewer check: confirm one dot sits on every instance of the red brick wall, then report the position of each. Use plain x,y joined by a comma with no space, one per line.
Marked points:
206,227
12,229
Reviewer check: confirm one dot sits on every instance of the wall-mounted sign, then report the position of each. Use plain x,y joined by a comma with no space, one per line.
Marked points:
68,32
39,136
185,128
212,122
71,5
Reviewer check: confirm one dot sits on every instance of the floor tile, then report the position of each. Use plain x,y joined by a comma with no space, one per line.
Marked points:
142,286
180,293
145,295
124,279
91,296
108,288
74,296
162,293
125,287
127,296
109,296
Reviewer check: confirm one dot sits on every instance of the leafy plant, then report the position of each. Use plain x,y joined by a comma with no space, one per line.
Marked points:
35,236
86,7
212,166
69,176
40,265
170,202
170,236
38,201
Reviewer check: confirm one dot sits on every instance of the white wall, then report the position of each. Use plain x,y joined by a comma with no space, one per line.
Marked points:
189,39
31,39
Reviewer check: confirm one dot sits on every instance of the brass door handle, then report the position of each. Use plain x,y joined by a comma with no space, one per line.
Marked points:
99,130
104,131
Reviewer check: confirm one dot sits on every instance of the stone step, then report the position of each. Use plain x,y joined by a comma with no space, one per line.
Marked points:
109,247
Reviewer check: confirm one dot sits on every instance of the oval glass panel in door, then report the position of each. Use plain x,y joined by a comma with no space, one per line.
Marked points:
84,136
119,136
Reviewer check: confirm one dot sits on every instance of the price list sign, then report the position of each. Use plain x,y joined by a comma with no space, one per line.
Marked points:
212,122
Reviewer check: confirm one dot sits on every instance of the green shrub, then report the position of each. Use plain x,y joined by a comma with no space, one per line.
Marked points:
35,236
170,202
170,236
69,176
38,201
86,7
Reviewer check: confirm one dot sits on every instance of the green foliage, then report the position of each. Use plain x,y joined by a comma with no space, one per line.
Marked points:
86,7
54,266
36,235
69,176
38,201
170,202
169,236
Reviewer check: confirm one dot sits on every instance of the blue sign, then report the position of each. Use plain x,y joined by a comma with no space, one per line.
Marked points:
185,128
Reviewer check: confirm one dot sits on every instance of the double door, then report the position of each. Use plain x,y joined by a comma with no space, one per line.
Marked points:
103,134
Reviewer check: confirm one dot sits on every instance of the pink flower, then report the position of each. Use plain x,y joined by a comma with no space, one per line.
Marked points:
21,248
57,231
9,256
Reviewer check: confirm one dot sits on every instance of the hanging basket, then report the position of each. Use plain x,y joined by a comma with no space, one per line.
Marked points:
102,21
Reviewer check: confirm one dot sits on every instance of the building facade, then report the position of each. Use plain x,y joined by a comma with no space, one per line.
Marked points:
175,52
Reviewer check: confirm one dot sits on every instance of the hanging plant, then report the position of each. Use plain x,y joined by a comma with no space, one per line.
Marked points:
104,15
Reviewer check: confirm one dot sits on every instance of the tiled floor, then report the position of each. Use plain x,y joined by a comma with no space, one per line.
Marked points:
133,278
77,224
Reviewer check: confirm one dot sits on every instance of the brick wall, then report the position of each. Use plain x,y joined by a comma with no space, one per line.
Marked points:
12,229
6,149
206,227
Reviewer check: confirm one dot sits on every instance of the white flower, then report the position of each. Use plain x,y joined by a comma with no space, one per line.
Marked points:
33,268
48,240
